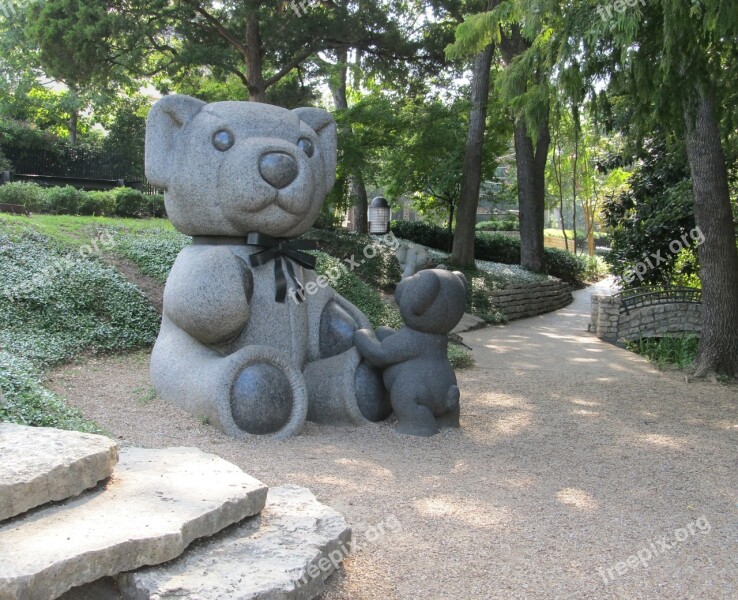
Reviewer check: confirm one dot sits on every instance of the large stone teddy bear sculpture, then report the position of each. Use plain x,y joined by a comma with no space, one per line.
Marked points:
417,372
250,339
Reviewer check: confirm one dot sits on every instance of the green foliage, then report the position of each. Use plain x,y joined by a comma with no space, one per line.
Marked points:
131,203
422,233
27,402
656,210
56,307
97,204
64,200
359,293
499,225
4,162
381,271
478,302
153,250
495,247
679,351
459,357
26,194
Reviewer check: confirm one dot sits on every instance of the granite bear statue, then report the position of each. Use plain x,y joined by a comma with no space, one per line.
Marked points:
417,373
251,340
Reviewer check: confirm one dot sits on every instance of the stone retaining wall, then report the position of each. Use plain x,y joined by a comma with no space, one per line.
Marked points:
661,320
522,300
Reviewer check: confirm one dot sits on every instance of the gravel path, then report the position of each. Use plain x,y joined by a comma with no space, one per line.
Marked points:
573,456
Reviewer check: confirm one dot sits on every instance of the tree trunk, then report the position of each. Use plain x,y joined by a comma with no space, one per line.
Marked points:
574,174
718,348
74,127
360,202
357,189
466,216
254,60
450,228
531,163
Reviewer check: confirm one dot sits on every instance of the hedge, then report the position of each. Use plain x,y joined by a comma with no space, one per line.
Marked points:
494,248
121,202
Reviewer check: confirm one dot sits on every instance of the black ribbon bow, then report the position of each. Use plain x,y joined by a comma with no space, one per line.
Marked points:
279,249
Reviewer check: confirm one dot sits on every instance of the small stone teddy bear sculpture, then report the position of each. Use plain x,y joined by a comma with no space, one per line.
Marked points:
251,340
417,373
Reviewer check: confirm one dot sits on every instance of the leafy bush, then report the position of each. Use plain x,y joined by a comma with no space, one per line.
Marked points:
497,248
157,205
679,351
99,204
26,194
498,225
130,203
565,265
459,357
4,162
63,200
422,233
359,293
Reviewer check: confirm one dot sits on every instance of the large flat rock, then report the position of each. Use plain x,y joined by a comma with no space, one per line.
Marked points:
43,464
286,552
155,505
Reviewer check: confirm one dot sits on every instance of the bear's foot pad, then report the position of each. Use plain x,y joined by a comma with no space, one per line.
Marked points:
286,552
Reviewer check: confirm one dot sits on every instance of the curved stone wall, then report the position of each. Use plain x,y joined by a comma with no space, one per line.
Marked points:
611,324
521,300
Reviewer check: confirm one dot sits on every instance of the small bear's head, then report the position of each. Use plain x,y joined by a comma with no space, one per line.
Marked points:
231,168
432,301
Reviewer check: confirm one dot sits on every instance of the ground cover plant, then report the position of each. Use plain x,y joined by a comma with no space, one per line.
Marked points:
57,306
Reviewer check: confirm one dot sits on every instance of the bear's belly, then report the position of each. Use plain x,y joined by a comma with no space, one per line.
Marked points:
280,325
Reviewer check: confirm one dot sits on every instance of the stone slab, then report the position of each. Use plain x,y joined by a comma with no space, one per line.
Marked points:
287,552
43,464
155,505
469,323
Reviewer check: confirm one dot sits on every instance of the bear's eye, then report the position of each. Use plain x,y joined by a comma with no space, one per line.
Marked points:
223,140
306,146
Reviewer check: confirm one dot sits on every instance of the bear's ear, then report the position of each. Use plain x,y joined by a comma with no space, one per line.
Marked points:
322,123
423,292
461,276
165,119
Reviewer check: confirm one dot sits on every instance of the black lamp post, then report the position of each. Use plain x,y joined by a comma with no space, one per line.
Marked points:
378,216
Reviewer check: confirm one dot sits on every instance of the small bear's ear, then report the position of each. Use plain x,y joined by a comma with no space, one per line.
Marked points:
461,276
165,119
423,292
322,123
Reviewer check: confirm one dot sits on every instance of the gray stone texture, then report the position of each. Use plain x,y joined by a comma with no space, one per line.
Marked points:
417,373
227,351
519,301
609,323
412,258
156,504
284,553
43,464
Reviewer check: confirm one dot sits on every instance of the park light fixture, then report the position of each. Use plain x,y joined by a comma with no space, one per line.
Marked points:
378,216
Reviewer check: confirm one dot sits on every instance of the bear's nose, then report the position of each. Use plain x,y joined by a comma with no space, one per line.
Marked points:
278,169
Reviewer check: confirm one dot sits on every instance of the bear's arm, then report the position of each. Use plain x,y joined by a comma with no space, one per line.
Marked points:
207,293
392,350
